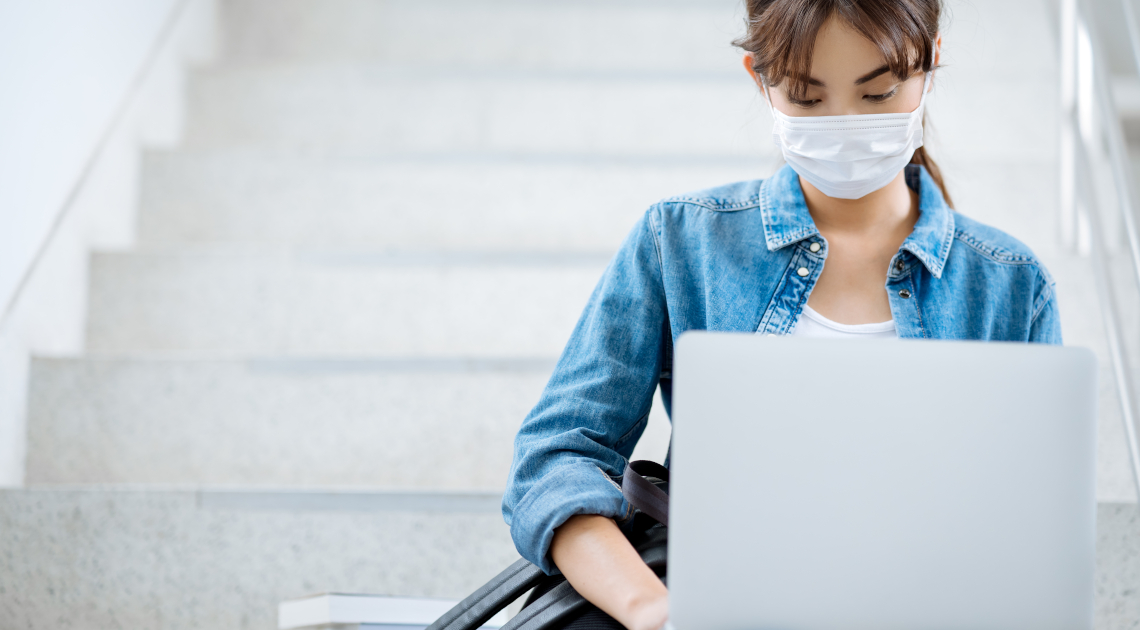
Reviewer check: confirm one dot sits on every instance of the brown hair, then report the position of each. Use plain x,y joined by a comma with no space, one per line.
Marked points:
781,37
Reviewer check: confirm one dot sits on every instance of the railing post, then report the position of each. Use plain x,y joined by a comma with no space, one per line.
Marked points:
1067,220
1085,85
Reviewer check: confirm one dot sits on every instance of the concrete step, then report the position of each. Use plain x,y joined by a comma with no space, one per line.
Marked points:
977,34
188,559
386,110
1008,196
318,304
407,203
381,423
548,35
395,424
1082,325
594,34
276,301
392,110
488,203
962,127
1118,566
182,559
309,305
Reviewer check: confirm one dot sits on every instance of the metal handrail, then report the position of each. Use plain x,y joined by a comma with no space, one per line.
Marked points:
160,42
1086,189
1121,165
1074,17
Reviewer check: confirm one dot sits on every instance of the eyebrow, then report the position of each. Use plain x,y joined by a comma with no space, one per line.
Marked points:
878,72
870,76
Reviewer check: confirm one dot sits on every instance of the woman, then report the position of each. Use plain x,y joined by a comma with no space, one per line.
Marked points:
858,192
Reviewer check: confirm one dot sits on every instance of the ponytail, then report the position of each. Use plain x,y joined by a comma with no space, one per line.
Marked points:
922,158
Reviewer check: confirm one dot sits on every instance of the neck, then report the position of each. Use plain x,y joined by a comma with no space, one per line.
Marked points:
892,207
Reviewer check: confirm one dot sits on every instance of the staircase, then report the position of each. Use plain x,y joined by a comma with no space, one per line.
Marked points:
353,279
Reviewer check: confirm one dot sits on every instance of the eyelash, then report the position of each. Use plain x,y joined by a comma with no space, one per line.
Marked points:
874,98
879,98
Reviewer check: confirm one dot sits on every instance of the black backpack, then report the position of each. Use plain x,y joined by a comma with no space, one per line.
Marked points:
553,603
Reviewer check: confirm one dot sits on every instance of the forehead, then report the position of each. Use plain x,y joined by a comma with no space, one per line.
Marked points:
842,54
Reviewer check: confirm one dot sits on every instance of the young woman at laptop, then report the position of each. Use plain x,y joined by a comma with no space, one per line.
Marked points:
847,82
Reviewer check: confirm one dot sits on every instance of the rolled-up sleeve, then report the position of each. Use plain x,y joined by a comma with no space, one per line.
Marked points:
595,406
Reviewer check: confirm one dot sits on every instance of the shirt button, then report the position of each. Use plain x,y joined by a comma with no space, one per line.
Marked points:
814,247
904,294
803,271
899,265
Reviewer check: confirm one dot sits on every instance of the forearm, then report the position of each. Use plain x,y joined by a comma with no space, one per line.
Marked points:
604,568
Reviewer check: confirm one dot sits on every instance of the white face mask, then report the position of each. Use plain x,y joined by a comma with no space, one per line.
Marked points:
849,157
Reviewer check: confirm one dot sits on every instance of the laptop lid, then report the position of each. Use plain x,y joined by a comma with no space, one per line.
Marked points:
881,484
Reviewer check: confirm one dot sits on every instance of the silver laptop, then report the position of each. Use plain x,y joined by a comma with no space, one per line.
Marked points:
881,485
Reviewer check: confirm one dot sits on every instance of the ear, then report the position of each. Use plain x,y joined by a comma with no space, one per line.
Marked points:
937,59
748,59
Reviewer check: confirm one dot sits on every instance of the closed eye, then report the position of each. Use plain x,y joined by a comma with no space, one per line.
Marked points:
803,104
879,98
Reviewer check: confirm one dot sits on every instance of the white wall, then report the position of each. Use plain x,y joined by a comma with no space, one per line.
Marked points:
66,67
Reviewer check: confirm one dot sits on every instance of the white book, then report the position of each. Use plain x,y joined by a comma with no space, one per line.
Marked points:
370,612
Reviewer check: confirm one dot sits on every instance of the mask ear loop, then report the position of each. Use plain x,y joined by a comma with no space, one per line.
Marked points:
935,52
926,85
928,81
776,115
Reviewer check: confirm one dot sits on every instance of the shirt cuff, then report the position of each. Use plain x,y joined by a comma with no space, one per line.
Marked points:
580,488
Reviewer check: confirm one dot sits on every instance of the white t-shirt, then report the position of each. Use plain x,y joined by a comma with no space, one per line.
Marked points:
812,324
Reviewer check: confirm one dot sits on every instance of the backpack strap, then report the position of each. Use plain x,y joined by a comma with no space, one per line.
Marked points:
478,608
562,601
644,494
558,604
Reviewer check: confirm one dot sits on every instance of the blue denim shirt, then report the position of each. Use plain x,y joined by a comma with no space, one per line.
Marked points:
732,259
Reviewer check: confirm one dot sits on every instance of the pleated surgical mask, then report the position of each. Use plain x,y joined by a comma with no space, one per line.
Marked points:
849,157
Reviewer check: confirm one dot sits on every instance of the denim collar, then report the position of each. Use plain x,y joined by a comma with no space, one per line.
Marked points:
787,221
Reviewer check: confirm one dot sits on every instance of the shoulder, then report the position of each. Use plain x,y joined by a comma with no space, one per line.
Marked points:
992,243
711,221
731,197
984,247
995,246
